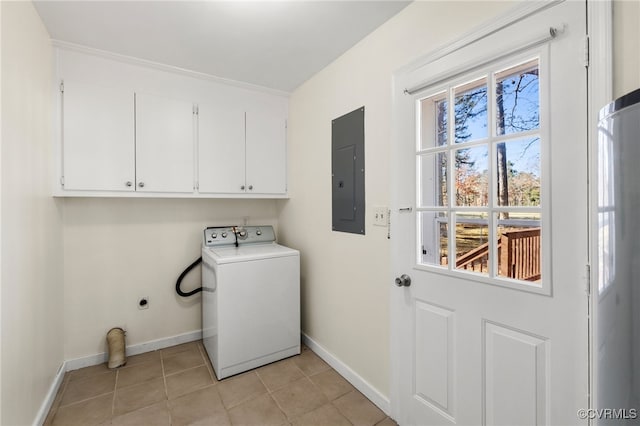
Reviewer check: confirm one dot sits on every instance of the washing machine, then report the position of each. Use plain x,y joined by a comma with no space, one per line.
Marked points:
250,298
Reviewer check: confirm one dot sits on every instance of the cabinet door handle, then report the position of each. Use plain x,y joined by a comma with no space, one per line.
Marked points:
129,183
141,184
242,187
250,187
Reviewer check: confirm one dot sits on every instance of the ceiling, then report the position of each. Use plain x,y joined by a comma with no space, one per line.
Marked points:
274,44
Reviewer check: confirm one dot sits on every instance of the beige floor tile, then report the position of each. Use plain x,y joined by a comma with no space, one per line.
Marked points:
323,416
238,389
94,411
191,346
358,409
388,421
141,358
310,363
88,371
258,411
56,401
88,387
331,384
202,407
138,373
182,360
138,396
156,415
207,362
188,381
279,374
299,397
301,388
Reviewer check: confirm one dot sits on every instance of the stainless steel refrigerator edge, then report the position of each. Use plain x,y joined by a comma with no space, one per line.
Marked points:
617,293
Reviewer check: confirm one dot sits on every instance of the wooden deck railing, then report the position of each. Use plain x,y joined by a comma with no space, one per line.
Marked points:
518,255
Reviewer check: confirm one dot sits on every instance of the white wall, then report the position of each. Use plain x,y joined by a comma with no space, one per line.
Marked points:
346,278
118,250
31,276
626,52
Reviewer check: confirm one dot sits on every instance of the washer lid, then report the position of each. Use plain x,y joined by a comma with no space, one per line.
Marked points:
247,252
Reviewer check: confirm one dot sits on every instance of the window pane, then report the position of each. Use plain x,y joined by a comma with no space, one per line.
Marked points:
471,112
472,242
517,99
472,184
433,126
518,172
433,180
519,255
434,238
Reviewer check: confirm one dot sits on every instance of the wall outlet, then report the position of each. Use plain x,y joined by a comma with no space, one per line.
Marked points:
380,215
143,303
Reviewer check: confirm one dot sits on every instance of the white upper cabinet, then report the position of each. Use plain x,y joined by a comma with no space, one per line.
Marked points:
98,152
130,130
164,144
266,141
242,149
221,148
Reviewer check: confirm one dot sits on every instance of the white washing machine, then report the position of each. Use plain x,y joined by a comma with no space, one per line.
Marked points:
250,298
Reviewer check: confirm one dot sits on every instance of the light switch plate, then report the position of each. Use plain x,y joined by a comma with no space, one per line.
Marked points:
380,215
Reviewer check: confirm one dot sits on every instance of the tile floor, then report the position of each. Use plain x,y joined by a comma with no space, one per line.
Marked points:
176,386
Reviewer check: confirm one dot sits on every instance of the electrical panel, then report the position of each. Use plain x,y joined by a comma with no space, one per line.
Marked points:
347,172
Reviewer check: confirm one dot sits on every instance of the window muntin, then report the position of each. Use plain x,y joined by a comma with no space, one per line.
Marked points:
479,184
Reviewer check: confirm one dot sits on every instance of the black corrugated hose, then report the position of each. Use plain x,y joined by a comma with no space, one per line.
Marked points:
182,275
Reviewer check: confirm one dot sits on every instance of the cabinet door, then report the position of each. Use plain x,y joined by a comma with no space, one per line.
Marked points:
266,147
221,148
164,144
98,149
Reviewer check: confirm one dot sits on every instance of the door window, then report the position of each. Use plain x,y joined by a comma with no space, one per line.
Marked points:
479,162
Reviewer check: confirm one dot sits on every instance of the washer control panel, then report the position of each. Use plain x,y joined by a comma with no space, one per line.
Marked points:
228,235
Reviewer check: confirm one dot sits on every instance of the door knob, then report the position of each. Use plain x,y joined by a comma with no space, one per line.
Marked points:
403,280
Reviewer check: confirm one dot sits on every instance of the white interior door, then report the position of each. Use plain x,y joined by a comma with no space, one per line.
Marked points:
490,224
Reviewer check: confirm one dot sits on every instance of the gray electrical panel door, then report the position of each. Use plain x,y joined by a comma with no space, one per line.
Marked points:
347,172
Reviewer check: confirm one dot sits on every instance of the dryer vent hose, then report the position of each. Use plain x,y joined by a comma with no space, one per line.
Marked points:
182,275
117,348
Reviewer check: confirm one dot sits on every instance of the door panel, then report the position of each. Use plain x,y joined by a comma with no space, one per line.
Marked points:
473,339
266,146
434,341
98,138
164,144
221,148
513,356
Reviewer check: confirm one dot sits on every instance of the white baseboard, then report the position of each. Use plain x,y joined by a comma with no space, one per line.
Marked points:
50,397
96,359
136,349
351,376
